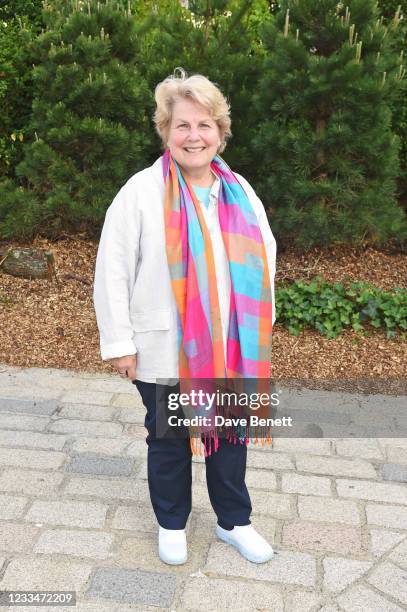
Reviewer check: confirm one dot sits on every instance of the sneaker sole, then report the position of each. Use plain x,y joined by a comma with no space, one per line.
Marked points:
249,557
171,562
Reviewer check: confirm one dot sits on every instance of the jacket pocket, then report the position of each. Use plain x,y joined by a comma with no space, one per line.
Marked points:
150,320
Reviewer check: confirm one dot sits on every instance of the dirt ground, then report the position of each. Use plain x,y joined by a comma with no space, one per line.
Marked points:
48,324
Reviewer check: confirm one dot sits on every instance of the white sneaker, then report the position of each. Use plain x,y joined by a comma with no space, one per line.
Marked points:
251,545
172,546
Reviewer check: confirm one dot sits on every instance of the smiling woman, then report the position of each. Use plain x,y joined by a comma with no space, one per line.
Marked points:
184,289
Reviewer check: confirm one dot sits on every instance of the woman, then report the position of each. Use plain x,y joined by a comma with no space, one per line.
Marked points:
184,244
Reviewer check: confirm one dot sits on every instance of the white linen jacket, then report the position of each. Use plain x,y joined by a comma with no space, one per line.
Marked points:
134,303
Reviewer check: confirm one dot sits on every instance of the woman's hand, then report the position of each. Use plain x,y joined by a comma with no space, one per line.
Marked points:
126,366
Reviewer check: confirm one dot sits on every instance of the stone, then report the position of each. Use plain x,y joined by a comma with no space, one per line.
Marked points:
34,459
99,465
375,491
17,537
269,461
133,586
72,513
336,466
214,594
30,482
135,518
391,580
314,446
99,398
387,516
104,488
328,510
12,507
24,422
285,566
383,540
29,405
394,471
340,539
103,446
308,485
339,573
32,439
399,554
43,573
361,599
75,543
365,448
94,428
87,412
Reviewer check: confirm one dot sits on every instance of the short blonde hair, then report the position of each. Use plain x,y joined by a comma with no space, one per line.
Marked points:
197,88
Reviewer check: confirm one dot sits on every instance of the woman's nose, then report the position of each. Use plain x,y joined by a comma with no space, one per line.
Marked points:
193,134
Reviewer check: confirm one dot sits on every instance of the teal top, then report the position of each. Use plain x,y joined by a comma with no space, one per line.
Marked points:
202,193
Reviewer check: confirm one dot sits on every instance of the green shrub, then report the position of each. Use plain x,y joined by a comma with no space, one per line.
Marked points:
332,308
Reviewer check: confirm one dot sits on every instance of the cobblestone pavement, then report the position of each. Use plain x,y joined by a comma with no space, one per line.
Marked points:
75,511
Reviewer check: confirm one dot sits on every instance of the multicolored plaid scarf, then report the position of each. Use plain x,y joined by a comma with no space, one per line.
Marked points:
193,278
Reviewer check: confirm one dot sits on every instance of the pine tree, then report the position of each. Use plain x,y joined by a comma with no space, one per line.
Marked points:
327,158
91,120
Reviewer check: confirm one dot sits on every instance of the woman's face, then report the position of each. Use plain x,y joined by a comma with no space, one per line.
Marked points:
193,137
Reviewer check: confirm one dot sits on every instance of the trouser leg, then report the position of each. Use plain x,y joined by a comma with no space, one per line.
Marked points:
225,474
168,463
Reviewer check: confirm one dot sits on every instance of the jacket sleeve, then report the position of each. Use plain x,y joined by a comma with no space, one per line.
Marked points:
268,237
115,273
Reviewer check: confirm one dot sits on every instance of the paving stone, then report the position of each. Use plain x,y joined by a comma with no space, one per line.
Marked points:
87,412
135,430
42,573
387,516
12,507
339,573
269,461
336,466
328,510
314,446
23,422
95,428
285,566
30,482
40,394
260,479
133,414
309,485
142,552
100,398
71,513
17,537
375,491
396,454
103,446
340,539
394,471
216,594
390,580
135,518
97,464
37,459
137,448
300,601
31,406
364,448
76,543
31,439
138,586
101,487
278,505
127,400
399,554
361,599
383,540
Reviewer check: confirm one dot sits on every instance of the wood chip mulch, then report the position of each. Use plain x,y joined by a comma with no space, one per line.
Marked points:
45,324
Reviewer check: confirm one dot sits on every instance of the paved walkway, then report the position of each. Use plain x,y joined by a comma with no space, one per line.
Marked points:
75,512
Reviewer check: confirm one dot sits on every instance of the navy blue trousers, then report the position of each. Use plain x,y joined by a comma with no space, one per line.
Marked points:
169,470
